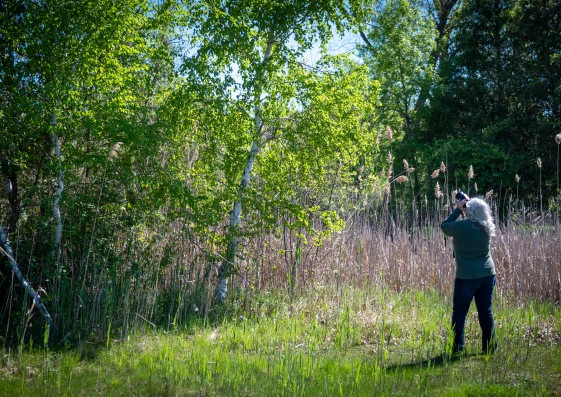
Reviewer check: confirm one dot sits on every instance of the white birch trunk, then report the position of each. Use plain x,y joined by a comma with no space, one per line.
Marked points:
5,244
228,264
56,208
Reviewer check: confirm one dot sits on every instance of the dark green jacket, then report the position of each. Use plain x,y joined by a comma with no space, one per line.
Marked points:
471,247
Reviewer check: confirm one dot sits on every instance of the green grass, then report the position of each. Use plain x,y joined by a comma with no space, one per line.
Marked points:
326,343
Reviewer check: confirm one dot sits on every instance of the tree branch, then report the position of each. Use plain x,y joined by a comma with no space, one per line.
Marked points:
365,39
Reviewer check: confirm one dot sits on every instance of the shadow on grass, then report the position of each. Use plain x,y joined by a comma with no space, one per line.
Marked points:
437,361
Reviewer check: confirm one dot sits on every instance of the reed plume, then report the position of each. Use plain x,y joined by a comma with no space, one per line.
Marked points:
435,173
517,179
114,151
470,172
401,179
489,194
405,164
437,191
539,162
442,166
389,132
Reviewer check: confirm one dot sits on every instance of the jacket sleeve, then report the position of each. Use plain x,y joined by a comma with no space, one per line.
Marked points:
450,227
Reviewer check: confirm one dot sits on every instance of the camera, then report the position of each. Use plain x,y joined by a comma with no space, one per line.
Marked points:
461,196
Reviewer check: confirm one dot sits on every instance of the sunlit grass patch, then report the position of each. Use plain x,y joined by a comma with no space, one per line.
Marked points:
347,341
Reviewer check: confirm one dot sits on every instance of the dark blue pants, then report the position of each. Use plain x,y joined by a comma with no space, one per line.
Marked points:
464,291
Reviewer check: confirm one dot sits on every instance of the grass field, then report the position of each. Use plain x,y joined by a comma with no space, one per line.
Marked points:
327,342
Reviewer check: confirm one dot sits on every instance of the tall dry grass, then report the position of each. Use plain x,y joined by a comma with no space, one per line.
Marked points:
526,252
376,248
159,279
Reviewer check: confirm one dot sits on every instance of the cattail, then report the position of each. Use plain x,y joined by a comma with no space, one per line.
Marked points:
401,179
390,157
489,194
435,173
475,187
114,151
437,191
405,164
470,172
442,166
387,188
517,178
558,138
389,132
539,162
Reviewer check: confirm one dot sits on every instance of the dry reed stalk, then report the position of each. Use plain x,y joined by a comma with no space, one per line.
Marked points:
475,187
539,162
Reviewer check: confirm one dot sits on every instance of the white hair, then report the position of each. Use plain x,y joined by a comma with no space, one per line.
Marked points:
477,210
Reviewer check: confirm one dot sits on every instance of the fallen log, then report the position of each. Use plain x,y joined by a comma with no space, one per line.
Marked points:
7,250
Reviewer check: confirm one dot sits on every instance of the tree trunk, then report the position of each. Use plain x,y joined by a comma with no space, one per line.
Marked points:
56,208
228,263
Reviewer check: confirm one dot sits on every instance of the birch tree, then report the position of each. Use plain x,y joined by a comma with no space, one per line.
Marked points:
250,72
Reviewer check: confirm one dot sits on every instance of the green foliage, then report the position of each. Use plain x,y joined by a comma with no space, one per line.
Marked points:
496,103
